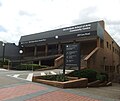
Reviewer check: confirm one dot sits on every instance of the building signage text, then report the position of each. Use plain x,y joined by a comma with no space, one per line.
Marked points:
83,34
34,41
78,28
72,54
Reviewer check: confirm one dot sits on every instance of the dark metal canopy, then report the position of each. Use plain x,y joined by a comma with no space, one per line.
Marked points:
83,30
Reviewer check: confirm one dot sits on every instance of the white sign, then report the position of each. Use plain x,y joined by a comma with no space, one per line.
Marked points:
83,34
33,41
78,28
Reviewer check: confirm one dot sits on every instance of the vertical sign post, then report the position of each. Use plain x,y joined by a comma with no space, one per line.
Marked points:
72,56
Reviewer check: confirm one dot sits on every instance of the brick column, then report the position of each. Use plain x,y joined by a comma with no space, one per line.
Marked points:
98,42
35,51
46,49
59,48
39,62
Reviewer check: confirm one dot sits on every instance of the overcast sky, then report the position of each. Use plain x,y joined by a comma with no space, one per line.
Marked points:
23,17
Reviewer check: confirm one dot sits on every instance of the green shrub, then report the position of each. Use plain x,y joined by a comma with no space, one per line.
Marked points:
105,75
25,66
60,78
102,77
75,73
43,66
0,63
86,73
91,74
29,67
5,62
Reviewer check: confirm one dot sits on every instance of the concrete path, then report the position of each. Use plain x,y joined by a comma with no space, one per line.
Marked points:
28,76
38,92
12,89
3,69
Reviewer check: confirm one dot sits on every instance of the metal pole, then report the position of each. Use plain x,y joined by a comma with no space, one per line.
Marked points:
21,52
3,54
64,62
32,65
79,58
8,64
64,70
20,62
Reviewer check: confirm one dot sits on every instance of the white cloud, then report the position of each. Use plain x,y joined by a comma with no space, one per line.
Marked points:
22,17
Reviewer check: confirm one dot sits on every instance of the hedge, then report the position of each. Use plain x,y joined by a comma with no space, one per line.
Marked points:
102,77
29,67
59,77
5,62
91,74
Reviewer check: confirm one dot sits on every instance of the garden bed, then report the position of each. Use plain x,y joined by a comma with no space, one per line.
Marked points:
70,83
88,78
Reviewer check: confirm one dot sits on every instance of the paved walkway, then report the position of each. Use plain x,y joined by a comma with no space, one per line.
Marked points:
61,96
12,89
38,92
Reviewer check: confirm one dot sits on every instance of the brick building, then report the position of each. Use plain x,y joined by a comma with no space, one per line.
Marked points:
98,49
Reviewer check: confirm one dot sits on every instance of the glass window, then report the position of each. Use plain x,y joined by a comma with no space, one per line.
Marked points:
113,49
107,45
110,46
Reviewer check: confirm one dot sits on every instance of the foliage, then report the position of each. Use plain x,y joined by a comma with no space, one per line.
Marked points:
43,66
60,78
5,62
29,67
105,75
102,77
86,73
91,74
0,63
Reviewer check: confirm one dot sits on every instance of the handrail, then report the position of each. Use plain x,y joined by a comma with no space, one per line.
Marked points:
89,55
58,61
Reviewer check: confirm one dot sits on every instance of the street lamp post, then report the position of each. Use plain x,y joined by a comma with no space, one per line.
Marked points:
3,54
21,52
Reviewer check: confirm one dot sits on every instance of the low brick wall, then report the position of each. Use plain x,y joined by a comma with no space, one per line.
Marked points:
78,83
48,68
